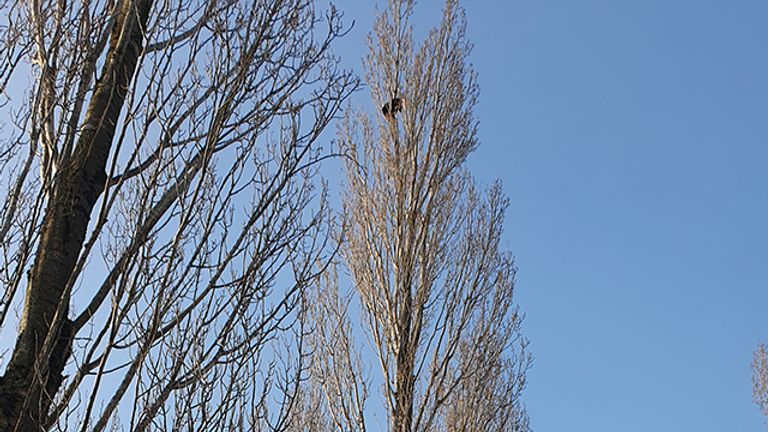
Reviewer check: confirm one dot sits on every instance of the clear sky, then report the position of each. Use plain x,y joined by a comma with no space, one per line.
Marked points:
632,139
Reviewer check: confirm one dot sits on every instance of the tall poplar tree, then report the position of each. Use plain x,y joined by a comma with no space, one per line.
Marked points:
423,248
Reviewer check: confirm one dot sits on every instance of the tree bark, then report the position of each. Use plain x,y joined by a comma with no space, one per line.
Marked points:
404,385
34,373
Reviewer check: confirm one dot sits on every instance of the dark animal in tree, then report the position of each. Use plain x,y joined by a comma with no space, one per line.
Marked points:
394,106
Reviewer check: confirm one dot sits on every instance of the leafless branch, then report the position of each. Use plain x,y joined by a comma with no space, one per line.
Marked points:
162,223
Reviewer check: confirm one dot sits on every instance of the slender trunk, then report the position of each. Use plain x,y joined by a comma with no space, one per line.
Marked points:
34,373
403,416
404,376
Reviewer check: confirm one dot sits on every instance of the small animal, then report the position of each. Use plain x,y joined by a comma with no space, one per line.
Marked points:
394,106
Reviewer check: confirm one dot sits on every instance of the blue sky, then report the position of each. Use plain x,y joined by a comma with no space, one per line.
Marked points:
631,138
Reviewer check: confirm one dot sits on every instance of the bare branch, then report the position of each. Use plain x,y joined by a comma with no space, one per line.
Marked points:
422,246
161,200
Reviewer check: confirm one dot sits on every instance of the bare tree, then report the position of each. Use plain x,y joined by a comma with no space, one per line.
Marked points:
338,373
160,220
423,247
760,378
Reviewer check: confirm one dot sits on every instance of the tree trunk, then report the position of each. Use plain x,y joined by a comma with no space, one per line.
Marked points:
34,373
403,415
404,374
